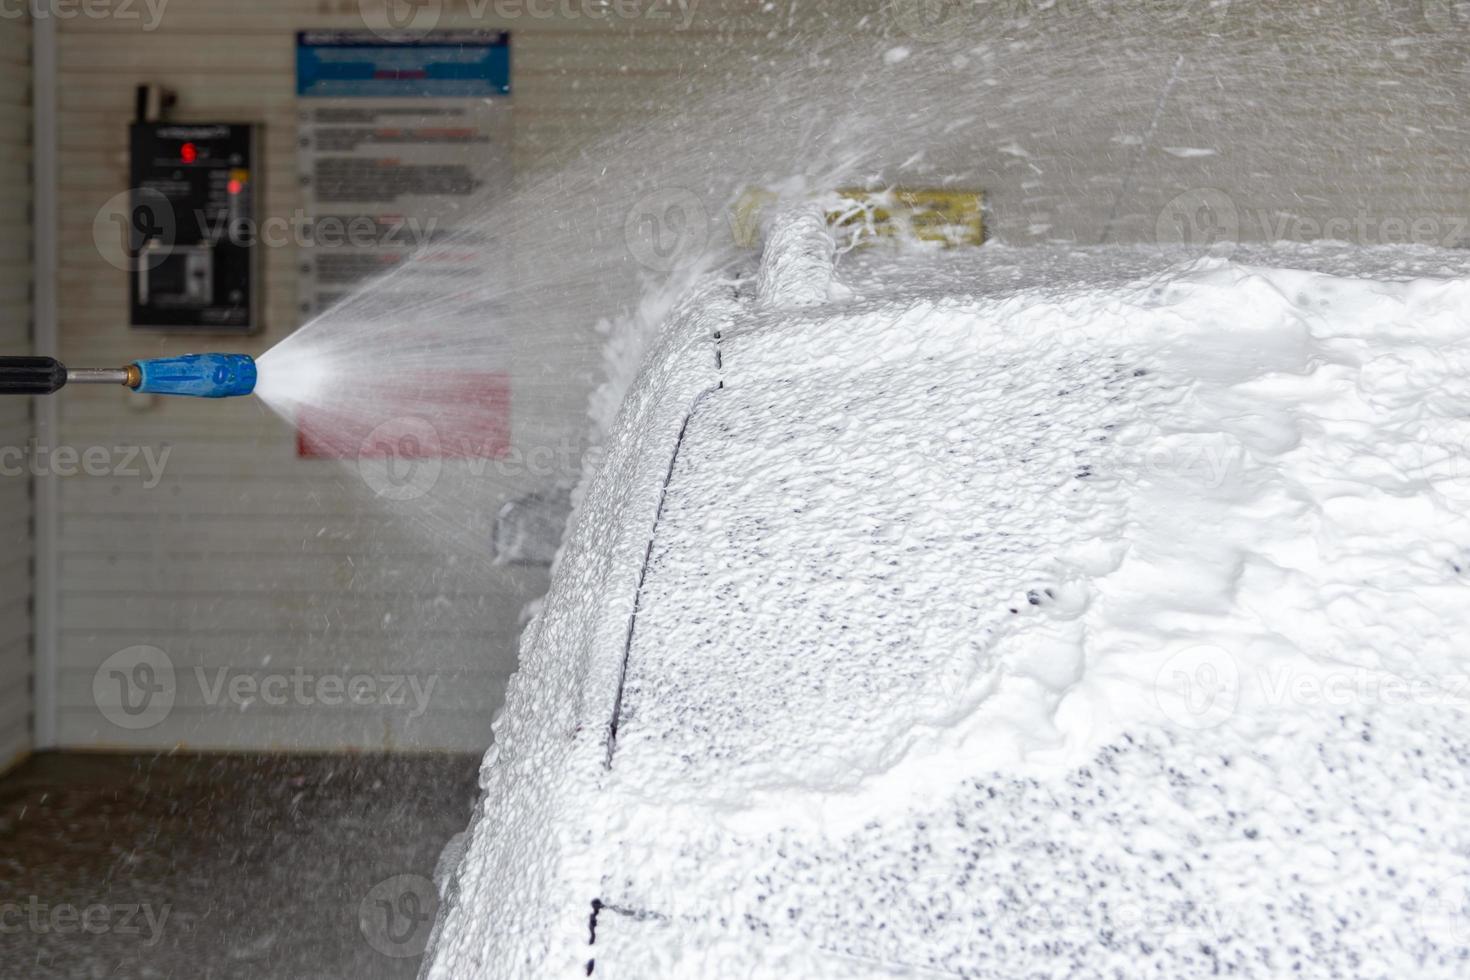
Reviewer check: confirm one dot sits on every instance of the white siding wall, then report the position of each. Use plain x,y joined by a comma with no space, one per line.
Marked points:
15,414
245,556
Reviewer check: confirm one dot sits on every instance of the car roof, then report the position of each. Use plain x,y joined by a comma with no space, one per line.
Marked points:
863,659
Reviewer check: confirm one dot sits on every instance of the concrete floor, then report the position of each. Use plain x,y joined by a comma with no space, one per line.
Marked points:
224,866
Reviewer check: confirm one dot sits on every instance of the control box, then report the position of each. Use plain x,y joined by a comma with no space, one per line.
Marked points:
193,234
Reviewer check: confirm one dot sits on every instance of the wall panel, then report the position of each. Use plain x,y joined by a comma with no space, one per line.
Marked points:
16,427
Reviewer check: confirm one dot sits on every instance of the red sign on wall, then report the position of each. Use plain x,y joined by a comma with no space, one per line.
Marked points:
438,416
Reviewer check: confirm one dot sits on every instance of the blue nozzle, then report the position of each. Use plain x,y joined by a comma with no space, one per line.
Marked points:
199,375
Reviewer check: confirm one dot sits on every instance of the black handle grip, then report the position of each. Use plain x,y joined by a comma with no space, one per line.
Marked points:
30,375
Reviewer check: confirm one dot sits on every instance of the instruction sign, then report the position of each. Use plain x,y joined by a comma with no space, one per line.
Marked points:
402,146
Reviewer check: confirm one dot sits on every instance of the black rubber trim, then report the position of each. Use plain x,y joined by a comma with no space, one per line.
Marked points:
617,713
598,907
592,930
663,496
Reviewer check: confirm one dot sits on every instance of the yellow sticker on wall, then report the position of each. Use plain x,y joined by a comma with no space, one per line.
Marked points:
945,215
951,217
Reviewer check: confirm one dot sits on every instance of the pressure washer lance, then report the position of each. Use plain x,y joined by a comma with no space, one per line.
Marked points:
198,375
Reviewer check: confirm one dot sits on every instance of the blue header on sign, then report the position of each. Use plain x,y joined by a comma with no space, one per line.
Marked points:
454,64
